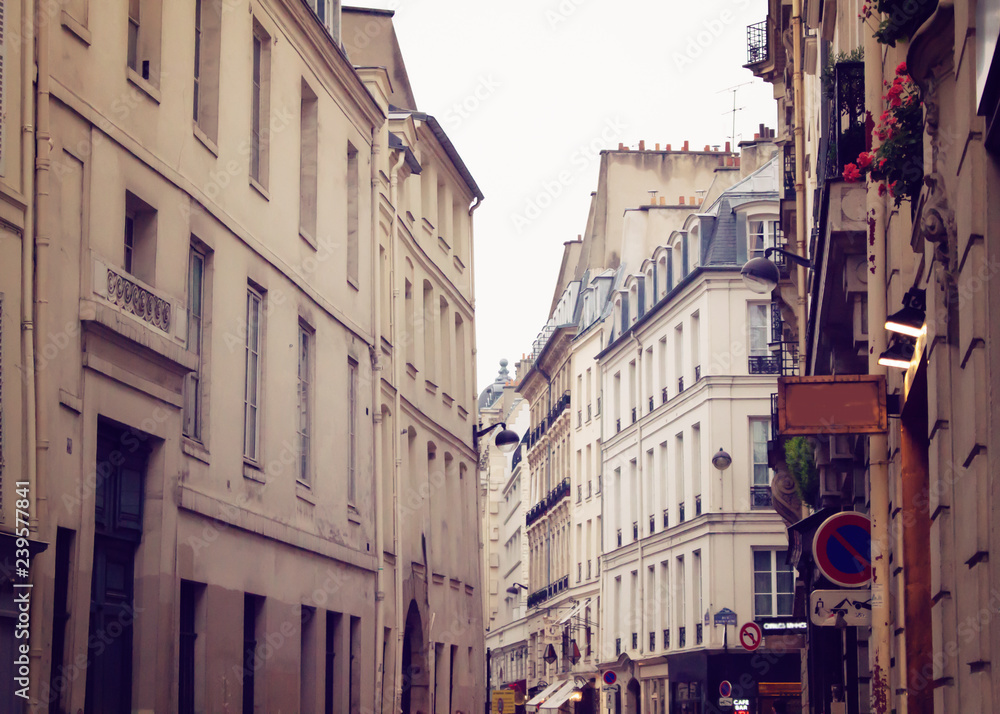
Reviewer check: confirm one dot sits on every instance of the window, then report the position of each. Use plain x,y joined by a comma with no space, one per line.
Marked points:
332,686
352,448
353,215
251,395
191,662
307,659
308,161
756,236
773,584
304,379
139,243
195,309
207,53
58,678
760,432
143,44
253,606
260,105
760,328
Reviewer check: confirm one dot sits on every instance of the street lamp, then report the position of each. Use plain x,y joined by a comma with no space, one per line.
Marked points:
910,320
899,354
722,460
507,440
514,586
761,274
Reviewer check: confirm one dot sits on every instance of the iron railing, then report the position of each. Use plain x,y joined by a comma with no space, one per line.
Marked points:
698,633
666,518
757,46
848,114
651,406
760,497
764,364
664,396
680,384
552,589
635,640
680,512
666,639
552,498
789,153
682,637
697,373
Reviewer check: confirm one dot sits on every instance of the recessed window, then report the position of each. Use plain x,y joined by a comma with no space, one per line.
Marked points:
195,326
353,215
773,584
260,105
207,48
352,437
251,399
304,427
308,163
143,40
139,242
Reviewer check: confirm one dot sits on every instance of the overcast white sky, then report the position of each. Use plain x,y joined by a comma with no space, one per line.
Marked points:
530,90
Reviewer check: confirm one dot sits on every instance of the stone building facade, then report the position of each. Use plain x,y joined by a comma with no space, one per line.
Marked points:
251,379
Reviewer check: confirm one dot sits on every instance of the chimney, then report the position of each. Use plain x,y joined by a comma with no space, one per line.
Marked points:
668,147
680,201
657,146
728,148
692,201
642,144
737,162
707,148
621,146
663,200
685,145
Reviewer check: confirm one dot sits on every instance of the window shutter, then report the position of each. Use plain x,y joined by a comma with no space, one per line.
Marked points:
685,262
741,239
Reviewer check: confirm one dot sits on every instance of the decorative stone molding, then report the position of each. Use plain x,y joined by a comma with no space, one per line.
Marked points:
124,292
784,496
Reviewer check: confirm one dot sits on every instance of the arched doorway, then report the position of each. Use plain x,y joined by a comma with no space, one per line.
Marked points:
633,697
415,697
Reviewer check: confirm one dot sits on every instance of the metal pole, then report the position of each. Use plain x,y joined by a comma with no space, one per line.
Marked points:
878,448
800,189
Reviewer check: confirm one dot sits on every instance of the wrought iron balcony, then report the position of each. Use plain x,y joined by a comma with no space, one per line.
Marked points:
635,640
634,414
666,639
757,47
680,512
651,407
551,499
652,641
847,116
664,396
698,633
697,373
618,646
789,152
764,364
619,537
680,384
760,497
681,637
553,588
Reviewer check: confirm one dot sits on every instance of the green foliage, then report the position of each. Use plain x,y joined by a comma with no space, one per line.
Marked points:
855,55
802,467
894,20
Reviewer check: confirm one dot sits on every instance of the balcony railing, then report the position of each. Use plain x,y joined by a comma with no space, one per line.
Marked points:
680,512
757,48
789,153
664,396
680,384
652,641
682,637
552,498
651,405
698,633
697,373
635,530
618,646
553,589
635,640
760,497
666,639
848,129
635,413
764,364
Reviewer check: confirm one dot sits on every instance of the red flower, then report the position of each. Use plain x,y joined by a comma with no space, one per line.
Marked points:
881,163
851,173
881,189
901,69
864,160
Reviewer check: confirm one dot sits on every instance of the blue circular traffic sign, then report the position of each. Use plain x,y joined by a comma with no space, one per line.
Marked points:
610,678
725,688
842,549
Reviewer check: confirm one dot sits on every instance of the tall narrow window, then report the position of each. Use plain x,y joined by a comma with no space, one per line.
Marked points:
139,257
252,678
133,34
307,660
760,432
331,678
354,666
760,328
353,215
409,321
197,54
127,263
207,47
461,357
308,162
260,105
251,394
428,330
58,679
444,326
352,419
191,663
304,426
195,309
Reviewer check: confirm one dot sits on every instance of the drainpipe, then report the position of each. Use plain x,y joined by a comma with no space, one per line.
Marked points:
376,360
878,447
28,295
43,228
640,370
800,190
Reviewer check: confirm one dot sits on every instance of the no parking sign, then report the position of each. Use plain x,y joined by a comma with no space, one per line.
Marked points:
842,549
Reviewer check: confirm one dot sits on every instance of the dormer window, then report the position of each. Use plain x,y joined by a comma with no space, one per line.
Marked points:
759,236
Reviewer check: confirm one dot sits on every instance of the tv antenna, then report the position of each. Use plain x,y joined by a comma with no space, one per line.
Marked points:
735,109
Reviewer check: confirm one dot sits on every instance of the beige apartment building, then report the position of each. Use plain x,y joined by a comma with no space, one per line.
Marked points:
237,352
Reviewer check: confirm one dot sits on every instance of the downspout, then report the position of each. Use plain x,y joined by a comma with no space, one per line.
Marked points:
43,232
641,369
800,190
28,292
376,360
878,444
401,612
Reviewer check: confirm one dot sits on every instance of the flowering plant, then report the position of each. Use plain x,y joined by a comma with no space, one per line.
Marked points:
897,163
896,19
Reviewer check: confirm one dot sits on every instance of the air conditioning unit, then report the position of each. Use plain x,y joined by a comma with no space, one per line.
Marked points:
859,306
855,274
842,446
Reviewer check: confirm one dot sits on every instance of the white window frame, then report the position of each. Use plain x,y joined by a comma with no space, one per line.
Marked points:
304,403
352,439
192,421
755,423
756,308
775,555
251,398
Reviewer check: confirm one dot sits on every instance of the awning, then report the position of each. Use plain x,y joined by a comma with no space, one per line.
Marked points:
557,699
544,694
574,612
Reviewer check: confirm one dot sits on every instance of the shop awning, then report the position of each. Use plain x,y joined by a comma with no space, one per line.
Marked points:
537,700
574,612
561,695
